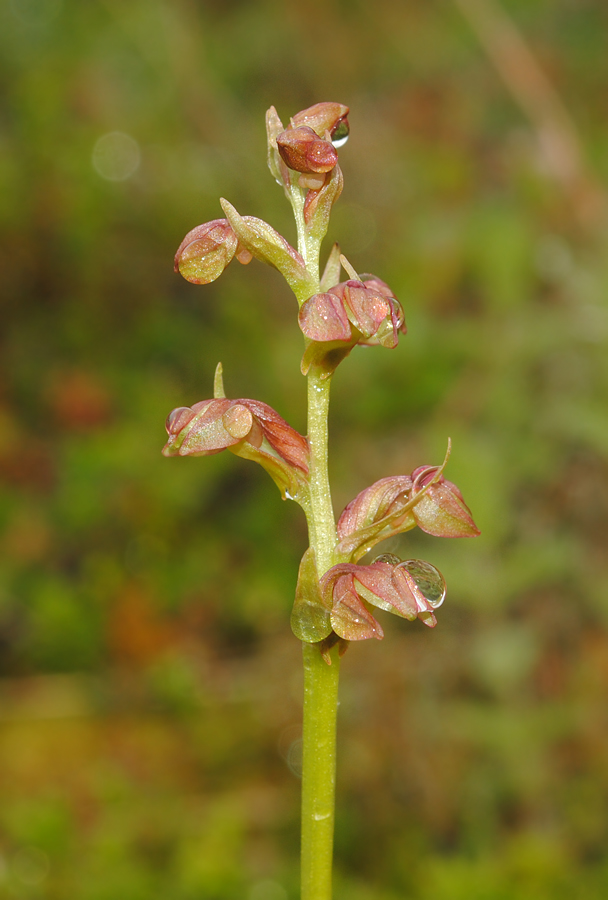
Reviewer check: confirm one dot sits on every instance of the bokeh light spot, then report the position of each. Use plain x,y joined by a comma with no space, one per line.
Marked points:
116,156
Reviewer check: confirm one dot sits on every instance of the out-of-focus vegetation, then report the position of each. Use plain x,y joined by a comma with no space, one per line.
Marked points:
149,698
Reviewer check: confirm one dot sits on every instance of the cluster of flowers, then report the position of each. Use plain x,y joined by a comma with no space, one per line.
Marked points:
334,317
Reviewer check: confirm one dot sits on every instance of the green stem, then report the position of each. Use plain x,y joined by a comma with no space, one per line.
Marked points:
320,679
318,773
321,522
309,246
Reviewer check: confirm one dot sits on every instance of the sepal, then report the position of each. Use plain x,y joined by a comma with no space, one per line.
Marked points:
319,202
331,273
350,618
439,507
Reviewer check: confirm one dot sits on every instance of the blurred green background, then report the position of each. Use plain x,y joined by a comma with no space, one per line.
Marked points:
149,683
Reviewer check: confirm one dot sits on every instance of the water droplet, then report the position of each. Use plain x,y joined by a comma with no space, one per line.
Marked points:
388,558
429,579
340,133
178,419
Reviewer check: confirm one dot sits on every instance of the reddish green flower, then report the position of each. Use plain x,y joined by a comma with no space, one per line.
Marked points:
352,312
205,252
247,428
410,589
399,503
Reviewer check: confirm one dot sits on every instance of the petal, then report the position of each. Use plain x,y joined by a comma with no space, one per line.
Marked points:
377,513
366,309
178,419
285,440
380,589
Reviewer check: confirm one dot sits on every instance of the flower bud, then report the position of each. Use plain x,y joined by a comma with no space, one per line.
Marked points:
205,252
304,151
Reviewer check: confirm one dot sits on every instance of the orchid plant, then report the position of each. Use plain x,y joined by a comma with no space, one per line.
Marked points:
337,589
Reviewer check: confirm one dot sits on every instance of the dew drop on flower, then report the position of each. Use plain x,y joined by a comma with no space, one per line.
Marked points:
429,579
340,134
387,558
178,419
